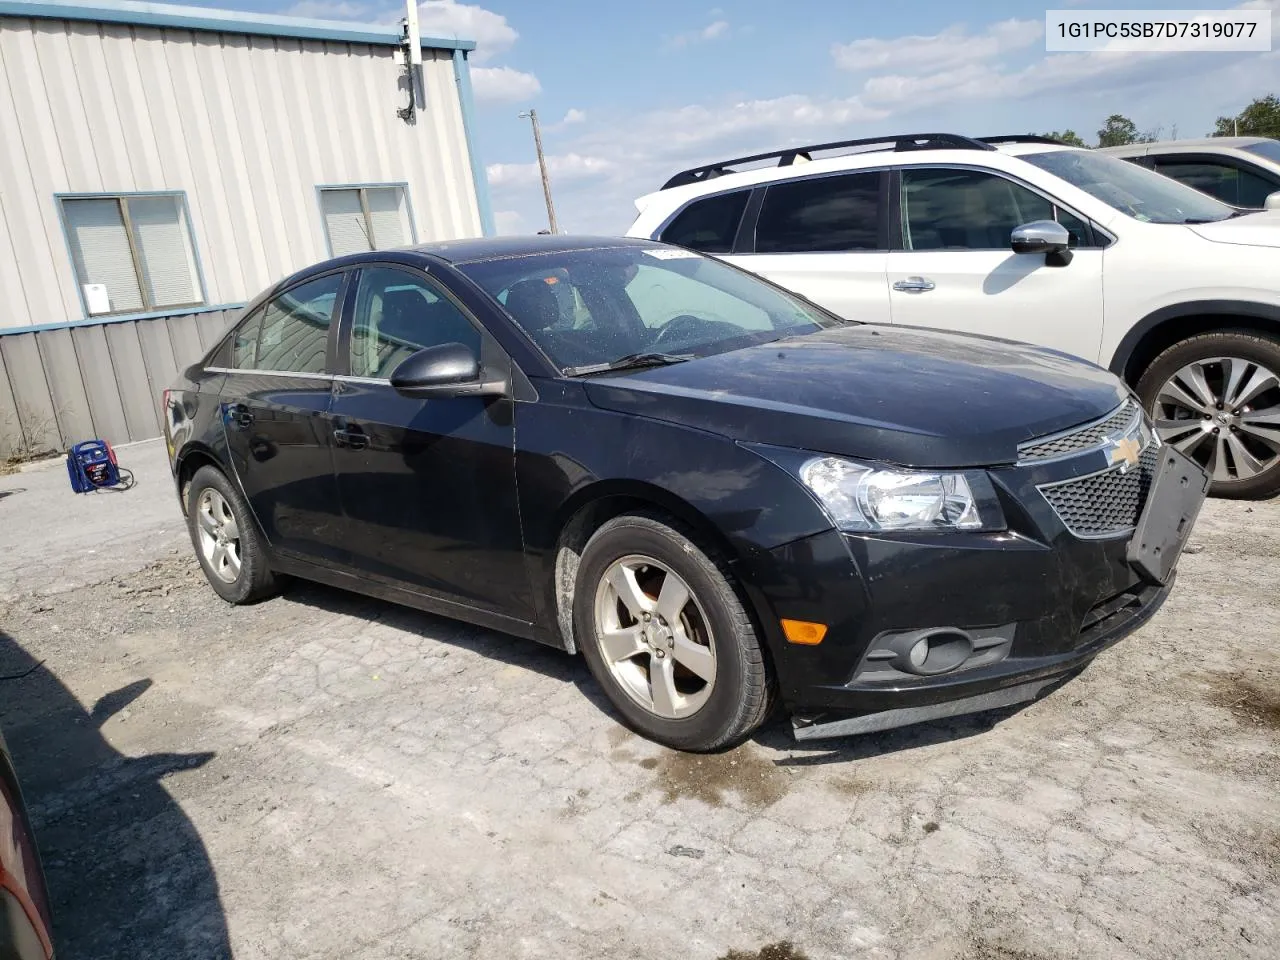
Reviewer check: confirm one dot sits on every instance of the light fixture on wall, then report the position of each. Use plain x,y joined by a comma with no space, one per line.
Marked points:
412,45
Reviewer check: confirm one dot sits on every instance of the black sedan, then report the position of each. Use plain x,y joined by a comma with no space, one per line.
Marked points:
717,492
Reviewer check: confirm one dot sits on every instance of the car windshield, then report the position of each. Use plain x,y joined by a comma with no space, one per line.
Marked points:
589,308
1266,148
1141,193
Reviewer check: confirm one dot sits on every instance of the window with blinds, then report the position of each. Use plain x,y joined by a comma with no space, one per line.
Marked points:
360,219
132,254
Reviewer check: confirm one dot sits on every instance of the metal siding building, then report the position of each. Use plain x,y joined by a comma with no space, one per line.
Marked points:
180,156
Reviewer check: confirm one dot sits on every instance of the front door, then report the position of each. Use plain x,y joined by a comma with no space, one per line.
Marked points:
428,486
955,269
275,413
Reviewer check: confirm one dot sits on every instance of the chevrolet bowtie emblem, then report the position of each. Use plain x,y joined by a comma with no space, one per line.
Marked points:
1124,453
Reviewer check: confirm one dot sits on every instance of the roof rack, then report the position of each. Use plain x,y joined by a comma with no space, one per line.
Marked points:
1025,138
785,158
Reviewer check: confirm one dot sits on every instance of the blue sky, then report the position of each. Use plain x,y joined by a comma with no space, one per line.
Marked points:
629,93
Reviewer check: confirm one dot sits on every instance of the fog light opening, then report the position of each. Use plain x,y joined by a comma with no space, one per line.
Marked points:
938,651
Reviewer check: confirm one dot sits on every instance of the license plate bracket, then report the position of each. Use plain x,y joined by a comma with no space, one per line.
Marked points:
1178,490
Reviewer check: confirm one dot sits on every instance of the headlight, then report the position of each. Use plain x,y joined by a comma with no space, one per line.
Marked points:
861,496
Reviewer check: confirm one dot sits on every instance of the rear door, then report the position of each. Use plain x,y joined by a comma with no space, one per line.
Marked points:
427,486
275,413
953,268
826,238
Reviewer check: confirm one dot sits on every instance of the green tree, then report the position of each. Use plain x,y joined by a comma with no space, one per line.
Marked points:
1259,119
1119,130
1067,136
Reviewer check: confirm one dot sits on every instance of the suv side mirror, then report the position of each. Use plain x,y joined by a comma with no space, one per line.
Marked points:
447,370
1043,236
1272,202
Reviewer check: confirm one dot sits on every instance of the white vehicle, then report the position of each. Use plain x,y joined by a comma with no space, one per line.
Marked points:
1025,239
1241,171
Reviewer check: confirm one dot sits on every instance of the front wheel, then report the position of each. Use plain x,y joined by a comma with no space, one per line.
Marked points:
1216,397
666,635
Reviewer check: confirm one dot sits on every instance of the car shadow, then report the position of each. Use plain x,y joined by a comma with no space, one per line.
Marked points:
128,874
775,735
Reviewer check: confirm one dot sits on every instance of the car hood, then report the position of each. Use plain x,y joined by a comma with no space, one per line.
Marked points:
1260,229
909,396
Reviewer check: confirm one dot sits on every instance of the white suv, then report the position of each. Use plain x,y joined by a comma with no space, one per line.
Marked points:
1026,239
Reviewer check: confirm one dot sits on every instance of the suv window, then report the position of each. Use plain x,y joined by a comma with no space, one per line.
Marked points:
823,214
397,314
708,225
291,332
970,210
1229,184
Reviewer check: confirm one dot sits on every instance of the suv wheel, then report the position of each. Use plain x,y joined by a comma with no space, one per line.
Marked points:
667,637
226,539
1216,397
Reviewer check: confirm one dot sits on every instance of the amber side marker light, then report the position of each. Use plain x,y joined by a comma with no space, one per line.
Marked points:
803,632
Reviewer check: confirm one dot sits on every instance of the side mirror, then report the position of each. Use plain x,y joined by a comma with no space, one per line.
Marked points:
447,370
1043,236
1272,202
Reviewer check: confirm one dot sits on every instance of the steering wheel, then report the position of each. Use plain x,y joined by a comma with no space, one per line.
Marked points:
678,327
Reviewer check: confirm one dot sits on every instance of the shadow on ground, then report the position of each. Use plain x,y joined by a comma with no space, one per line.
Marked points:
128,874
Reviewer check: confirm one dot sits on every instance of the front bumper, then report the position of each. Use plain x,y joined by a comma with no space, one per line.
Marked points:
1038,603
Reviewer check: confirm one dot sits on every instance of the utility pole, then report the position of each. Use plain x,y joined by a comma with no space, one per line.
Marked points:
542,167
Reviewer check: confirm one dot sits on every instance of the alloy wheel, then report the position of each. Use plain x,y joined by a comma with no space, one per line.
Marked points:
654,637
219,535
1224,412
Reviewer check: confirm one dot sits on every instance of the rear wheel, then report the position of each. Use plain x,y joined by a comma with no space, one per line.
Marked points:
227,543
1216,398
667,637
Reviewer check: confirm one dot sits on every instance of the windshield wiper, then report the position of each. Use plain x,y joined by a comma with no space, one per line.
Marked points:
632,361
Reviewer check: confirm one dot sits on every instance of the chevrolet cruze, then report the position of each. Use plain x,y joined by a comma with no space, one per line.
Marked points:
721,495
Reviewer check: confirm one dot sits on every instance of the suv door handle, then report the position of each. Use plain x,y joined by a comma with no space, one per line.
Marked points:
914,285
355,439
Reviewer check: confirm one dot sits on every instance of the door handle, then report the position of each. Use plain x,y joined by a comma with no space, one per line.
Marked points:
914,285
240,415
351,439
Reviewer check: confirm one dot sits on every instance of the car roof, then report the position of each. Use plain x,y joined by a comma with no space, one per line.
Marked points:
1196,143
499,248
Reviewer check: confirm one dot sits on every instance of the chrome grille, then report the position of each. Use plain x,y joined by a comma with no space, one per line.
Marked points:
1104,504
1079,439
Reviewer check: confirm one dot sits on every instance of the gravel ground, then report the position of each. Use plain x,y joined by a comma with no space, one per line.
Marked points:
326,776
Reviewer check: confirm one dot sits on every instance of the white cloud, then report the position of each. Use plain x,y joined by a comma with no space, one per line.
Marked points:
941,51
504,84
328,10
510,222
560,167
574,116
712,31
447,19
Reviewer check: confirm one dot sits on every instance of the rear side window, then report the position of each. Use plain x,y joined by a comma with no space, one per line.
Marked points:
826,214
1229,184
291,333
708,225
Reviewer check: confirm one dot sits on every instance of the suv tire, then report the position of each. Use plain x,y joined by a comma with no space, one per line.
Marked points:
1209,395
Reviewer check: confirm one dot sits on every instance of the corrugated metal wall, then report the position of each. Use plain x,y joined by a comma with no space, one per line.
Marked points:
58,387
247,126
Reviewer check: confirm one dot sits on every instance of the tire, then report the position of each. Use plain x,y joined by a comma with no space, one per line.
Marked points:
226,539
710,634
1213,414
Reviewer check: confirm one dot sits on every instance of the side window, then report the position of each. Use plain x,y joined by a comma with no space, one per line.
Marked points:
294,329
972,210
396,315
823,214
244,345
1228,183
708,225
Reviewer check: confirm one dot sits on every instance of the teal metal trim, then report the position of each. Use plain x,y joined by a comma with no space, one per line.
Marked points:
125,195
119,318
462,76
176,17
402,184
